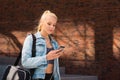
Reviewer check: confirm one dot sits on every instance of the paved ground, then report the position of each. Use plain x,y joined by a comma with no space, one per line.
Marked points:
4,61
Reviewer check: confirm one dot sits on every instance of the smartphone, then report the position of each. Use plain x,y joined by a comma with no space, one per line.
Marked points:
61,47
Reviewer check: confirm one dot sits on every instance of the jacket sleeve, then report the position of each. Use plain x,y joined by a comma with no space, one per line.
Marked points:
27,60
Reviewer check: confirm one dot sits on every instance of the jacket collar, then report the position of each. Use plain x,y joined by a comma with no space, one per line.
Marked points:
38,35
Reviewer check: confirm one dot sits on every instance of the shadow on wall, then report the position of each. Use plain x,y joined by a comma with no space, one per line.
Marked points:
78,39
90,49
12,36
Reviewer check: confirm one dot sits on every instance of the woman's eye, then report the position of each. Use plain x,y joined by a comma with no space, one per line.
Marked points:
49,24
54,25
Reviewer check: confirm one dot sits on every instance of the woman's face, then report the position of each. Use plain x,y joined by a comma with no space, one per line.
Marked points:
49,25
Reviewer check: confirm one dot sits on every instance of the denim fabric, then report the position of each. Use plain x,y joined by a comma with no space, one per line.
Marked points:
39,62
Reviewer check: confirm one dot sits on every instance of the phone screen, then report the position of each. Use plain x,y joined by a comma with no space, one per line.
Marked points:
61,47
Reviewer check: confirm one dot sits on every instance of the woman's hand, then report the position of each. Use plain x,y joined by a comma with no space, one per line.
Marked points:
53,54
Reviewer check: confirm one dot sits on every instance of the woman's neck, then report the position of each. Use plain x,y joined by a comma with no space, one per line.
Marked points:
44,35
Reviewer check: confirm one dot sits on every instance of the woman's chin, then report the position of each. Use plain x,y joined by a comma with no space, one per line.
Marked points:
50,32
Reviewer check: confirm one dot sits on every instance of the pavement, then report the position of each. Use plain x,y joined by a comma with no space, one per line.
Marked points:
4,61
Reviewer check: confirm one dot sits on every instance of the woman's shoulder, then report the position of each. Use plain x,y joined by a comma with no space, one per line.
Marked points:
28,36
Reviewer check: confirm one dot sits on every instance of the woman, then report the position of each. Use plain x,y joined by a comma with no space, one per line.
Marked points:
47,52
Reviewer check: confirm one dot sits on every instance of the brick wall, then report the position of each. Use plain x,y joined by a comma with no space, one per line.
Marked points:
87,28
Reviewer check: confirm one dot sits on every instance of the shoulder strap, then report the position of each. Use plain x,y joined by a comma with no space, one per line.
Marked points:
18,59
33,46
33,54
33,51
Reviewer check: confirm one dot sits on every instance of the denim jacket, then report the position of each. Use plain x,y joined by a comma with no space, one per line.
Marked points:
39,62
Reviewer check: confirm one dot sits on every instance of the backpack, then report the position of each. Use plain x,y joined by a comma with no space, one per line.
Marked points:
15,72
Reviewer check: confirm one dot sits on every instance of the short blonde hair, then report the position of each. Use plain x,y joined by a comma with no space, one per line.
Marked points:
43,17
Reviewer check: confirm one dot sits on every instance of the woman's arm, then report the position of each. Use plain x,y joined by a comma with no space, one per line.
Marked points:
27,60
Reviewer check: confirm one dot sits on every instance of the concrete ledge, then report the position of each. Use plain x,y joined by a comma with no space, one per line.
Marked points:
75,77
78,77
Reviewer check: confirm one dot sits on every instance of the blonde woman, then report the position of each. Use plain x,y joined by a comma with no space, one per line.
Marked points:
47,52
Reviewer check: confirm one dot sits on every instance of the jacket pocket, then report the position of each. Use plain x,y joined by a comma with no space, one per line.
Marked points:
40,49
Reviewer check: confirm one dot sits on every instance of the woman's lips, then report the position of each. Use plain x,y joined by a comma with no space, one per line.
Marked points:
51,30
